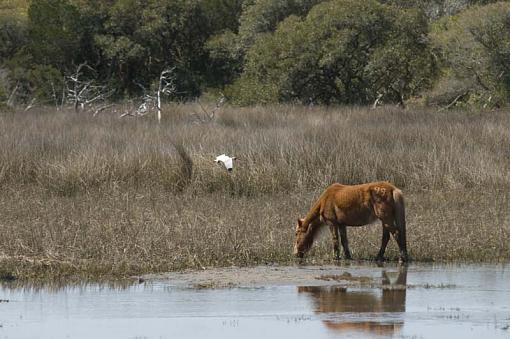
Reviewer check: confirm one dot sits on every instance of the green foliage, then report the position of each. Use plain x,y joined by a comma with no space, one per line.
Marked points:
260,51
3,96
261,16
54,32
14,8
435,9
344,51
222,14
475,52
226,55
40,82
403,66
13,35
139,38
47,83
257,18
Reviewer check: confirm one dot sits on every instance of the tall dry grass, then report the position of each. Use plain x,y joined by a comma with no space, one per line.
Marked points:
108,196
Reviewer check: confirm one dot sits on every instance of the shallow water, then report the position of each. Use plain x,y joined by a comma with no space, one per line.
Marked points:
422,301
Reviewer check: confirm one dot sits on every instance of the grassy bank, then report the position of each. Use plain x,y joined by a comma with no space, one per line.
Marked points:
109,197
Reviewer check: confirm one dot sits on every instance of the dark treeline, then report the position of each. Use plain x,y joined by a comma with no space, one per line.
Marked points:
435,52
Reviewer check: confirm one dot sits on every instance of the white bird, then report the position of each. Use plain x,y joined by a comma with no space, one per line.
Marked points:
226,160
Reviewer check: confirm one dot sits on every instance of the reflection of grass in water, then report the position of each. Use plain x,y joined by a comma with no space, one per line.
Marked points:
350,280
212,285
102,197
55,285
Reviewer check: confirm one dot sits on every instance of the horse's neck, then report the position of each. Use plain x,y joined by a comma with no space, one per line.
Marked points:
313,216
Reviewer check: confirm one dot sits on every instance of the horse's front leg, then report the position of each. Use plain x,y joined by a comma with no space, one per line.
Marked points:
384,242
345,242
336,245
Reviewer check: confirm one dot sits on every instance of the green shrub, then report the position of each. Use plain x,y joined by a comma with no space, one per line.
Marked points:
344,51
475,48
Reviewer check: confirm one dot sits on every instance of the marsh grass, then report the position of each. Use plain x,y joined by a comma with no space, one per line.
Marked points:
109,197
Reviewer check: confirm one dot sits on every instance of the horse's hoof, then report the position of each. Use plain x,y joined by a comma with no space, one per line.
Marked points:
402,261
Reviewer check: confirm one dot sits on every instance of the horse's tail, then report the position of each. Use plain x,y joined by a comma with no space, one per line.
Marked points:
400,211
400,219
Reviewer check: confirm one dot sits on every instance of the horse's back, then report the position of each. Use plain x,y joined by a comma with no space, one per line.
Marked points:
353,204
347,204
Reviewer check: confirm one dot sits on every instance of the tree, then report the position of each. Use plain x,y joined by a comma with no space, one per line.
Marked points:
435,9
229,48
344,51
475,52
142,37
13,36
403,65
54,33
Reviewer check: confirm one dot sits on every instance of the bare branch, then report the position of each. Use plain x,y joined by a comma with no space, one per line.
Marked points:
209,116
31,104
152,100
457,98
376,102
101,108
85,93
166,86
10,101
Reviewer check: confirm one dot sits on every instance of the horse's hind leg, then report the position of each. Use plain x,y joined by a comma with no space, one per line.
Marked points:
336,245
384,243
345,242
400,237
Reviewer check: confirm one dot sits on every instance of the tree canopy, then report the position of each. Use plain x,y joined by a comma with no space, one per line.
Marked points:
439,52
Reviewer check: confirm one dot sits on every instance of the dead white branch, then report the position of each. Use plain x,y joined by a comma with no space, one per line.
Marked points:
141,111
101,108
10,101
377,100
166,86
83,94
31,104
209,116
454,102
152,99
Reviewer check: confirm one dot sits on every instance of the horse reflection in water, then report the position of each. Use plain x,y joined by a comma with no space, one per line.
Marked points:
336,299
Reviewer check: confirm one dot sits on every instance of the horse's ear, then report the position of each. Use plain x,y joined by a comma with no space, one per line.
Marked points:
300,222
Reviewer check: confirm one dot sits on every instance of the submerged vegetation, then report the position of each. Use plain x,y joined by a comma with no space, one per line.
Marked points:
107,197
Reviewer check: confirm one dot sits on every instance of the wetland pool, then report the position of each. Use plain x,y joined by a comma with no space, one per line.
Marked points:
354,301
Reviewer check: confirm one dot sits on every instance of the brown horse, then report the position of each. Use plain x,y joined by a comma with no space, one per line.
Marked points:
340,206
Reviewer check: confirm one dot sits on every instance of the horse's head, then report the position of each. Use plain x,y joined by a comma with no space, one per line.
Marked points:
302,243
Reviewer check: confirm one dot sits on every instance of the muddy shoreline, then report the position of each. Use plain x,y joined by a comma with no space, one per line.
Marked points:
359,274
